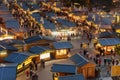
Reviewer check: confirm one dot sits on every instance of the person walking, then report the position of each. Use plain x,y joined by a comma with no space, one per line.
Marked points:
35,76
36,66
81,45
43,64
27,73
31,73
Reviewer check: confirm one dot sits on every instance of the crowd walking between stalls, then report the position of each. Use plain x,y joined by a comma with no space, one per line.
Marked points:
103,61
31,72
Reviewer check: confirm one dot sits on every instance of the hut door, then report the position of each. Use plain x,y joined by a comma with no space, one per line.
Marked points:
52,55
90,72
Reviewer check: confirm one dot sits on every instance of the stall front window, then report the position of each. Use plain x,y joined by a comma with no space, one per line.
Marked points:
45,55
109,48
28,61
3,53
61,52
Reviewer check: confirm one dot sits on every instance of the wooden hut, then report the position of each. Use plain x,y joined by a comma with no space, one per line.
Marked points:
23,59
59,70
6,50
108,44
84,67
8,71
37,41
62,49
44,53
107,34
72,77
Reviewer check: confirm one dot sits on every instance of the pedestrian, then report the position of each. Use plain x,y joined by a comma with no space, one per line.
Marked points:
113,62
81,45
31,73
117,62
31,66
88,45
84,52
111,51
35,77
43,64
99,72
108,70
35,66
99,62
105,61
27,73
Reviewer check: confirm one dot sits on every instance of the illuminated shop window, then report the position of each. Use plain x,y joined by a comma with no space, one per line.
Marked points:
3,53
45,55
61,52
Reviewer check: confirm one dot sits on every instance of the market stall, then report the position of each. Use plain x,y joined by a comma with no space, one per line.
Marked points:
59,70
44,53
23,59
5,51
37,41
8,71
62,49
108,44
84,67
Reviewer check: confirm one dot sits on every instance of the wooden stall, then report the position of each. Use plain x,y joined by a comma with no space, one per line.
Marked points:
72,77
5,51
44,53
108,44
23,60
59,70
84,67
8,71
37,41
62,49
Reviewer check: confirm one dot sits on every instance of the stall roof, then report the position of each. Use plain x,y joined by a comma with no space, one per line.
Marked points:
8,47
13,24
62,45
24,6
3,8
47,24
37,38
79,60
106,21
64,68
72,77
109,41
38,49
8,15
116,26
107,34
1,49
8,71
17,57
51,14
11,41
35,6
66,23
94,18
15,41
